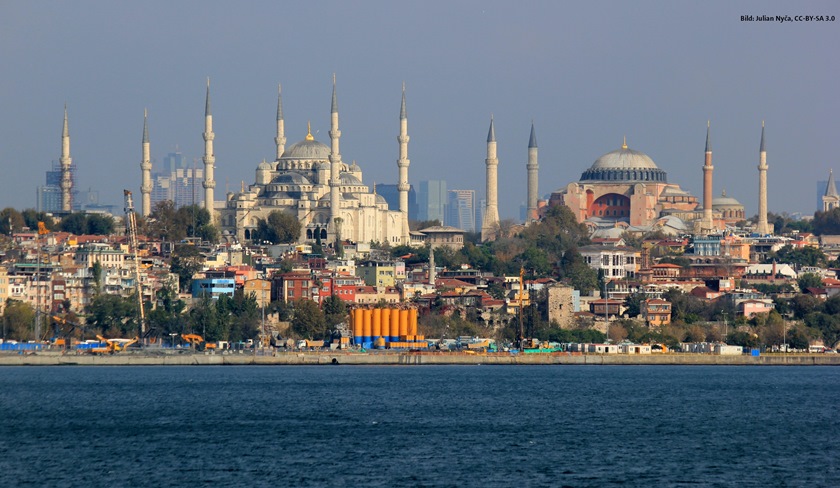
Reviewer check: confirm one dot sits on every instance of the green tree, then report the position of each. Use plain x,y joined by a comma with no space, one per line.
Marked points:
31,218
335,311
827,223
18,318
278,228
112,315
163,223
809,280
96,224
805,256
186,261
75,223
11,221
308,321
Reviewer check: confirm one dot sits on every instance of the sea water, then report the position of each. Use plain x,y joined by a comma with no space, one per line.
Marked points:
419,426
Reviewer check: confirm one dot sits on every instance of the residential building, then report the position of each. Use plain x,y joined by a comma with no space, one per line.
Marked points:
656,312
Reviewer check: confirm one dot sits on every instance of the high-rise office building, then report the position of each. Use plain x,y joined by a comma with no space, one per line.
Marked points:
431,200
49,196
460,210
391,194
177,182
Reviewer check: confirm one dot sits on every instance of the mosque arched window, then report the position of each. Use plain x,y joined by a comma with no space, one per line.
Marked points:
323,233
247,234
309,233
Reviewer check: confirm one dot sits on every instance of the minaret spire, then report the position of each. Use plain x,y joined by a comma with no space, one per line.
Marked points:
280,140
66,162
708,221
763,226
209,158
533,173
831,188
146,170
402,165
490,226
335,165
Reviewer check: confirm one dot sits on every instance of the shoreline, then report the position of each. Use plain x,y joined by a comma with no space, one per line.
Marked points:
49,358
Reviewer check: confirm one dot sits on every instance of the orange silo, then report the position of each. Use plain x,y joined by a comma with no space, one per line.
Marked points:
376,326
403,323
366,325
357,325
386,324
412,322
395,325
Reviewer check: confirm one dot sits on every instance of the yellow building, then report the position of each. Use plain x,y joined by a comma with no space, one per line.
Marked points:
261,290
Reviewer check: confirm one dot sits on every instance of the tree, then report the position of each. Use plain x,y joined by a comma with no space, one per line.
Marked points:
18,318
163,222
278,228
827,223
308,321
96,224
186,262
423,224
809,280
31,218
112,315
806,256
75,223
10,220
335,311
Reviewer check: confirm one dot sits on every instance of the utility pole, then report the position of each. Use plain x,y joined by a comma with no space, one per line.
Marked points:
42,230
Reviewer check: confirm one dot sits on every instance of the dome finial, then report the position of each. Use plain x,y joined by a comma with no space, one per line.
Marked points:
309,131
723,194
624,144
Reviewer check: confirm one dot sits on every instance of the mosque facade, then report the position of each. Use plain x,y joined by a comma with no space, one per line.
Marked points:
310,181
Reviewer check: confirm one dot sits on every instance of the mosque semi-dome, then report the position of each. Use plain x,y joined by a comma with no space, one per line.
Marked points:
624,164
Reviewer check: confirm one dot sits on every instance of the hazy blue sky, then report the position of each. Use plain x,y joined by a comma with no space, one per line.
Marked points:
587,74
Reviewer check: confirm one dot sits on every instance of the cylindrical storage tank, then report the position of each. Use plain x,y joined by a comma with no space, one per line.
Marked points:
376,325
403,323
366,326
357,326
385,323
395,325
412,322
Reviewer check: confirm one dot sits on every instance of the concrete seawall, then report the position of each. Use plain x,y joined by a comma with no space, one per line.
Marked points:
49,358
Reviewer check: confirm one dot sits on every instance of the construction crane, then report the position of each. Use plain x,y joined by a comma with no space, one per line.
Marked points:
131,226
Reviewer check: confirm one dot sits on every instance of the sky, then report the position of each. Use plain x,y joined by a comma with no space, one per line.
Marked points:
586,73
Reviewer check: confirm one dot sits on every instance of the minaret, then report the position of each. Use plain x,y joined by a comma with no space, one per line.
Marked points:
533,173
402,164
490,226
831,199
66,161
280,140
335,163
209,158
708,223
432,274
763,228
146,168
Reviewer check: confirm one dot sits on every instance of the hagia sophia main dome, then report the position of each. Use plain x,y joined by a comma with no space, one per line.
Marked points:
625,187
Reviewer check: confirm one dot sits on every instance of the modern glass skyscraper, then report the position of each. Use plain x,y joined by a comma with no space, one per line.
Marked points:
460,210
431,200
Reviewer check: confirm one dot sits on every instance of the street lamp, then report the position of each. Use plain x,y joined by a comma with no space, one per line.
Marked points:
172,340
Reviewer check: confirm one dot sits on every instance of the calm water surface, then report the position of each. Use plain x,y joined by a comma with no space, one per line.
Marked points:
419,426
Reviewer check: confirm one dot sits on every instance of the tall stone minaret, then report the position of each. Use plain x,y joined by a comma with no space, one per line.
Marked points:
280,140
432,273
66,161
830,199
533,173
708,169
490,226
146,168
402,164
763,227
209,158
335,163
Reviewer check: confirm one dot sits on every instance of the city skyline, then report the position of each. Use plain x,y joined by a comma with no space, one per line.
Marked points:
537,62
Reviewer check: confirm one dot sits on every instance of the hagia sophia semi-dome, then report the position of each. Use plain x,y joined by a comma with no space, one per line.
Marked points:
725,200
308,149
624,164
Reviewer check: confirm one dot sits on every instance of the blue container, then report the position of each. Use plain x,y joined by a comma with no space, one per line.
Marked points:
755,352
